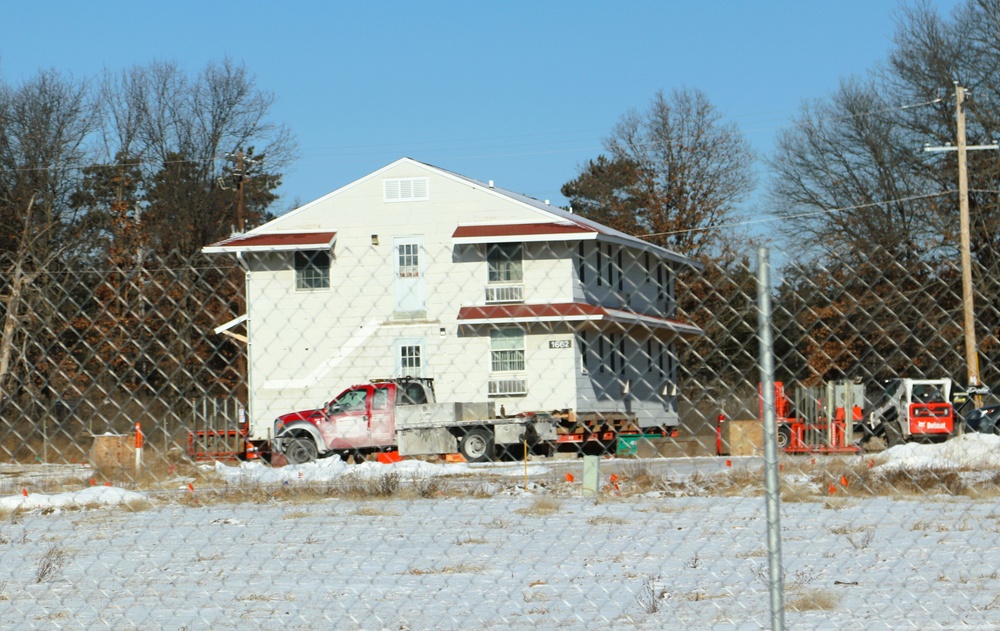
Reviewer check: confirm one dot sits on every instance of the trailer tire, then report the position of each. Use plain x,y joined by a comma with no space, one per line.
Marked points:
299,450
477,445
784,436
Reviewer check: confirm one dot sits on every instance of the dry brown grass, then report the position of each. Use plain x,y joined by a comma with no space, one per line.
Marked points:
386,486
374,511
541,507
813,600
462,568
793,493
636,477
51,563
864,481
607,520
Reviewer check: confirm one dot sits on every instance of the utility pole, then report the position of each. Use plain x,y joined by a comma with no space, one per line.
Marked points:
968,298
240,176
239,188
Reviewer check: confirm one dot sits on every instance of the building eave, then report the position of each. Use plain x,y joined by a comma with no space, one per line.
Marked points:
274,242
572,312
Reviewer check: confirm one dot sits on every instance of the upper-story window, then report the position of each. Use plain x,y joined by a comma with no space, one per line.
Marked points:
505,262
406,189
507,350
312,269
409,260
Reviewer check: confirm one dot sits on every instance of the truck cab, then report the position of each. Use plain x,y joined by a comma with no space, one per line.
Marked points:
403,415
361,418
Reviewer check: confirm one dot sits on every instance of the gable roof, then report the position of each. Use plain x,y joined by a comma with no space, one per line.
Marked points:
569,224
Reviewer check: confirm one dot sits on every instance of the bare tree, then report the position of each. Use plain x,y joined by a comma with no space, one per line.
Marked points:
675,175
850,174
179,132
44,124
845,178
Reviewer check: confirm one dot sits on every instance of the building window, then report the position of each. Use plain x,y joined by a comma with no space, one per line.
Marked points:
409,361
505,262
598,264
409,260
507,350
312,269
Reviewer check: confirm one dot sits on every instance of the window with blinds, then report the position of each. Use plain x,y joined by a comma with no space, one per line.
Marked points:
507,350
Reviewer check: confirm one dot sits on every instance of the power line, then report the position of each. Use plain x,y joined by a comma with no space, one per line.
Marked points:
813,213
353,150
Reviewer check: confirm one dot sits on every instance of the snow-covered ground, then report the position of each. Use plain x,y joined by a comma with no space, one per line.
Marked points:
482,551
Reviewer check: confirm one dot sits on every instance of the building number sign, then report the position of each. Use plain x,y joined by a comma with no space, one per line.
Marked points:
560,344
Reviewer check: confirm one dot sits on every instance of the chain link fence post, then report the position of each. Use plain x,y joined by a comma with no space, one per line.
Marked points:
772,489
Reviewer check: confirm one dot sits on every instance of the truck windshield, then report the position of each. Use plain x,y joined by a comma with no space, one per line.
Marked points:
350,401
927,393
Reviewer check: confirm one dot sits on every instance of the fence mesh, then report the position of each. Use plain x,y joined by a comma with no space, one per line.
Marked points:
141,485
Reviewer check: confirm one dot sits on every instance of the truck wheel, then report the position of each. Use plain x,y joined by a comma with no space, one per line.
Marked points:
299,450
477,445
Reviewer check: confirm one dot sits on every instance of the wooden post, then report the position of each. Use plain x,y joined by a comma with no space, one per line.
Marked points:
971,356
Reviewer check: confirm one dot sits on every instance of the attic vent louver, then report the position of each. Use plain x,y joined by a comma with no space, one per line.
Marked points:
406,189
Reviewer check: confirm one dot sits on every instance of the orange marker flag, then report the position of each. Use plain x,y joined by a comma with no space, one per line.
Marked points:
833,489
190,487
843,480
569,477
25,491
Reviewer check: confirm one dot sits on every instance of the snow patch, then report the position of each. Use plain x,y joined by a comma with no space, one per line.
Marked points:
100,495
969,451
333,468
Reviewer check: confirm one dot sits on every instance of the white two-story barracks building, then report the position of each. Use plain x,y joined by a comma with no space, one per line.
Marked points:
414,270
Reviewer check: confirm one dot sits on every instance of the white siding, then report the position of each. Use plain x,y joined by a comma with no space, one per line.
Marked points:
305,347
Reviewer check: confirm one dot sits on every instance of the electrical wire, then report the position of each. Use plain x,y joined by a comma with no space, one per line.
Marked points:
799,215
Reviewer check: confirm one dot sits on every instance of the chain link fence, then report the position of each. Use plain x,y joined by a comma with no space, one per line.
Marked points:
141,487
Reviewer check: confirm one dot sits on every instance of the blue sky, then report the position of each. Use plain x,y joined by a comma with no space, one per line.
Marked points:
518,92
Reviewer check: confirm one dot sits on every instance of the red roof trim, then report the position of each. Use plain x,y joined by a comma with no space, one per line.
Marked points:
277,241
519,229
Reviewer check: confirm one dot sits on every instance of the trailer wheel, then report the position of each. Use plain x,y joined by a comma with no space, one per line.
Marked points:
299,450
477,445
784,436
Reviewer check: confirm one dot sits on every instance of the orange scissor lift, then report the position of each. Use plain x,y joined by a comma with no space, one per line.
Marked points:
826,417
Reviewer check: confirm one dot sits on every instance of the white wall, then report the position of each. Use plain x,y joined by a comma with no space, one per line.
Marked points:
297,357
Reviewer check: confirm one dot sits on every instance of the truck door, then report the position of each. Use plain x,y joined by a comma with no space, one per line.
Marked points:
381,425
347,420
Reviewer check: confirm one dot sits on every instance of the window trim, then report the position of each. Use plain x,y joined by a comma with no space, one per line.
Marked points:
506,263
322,274
519,363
